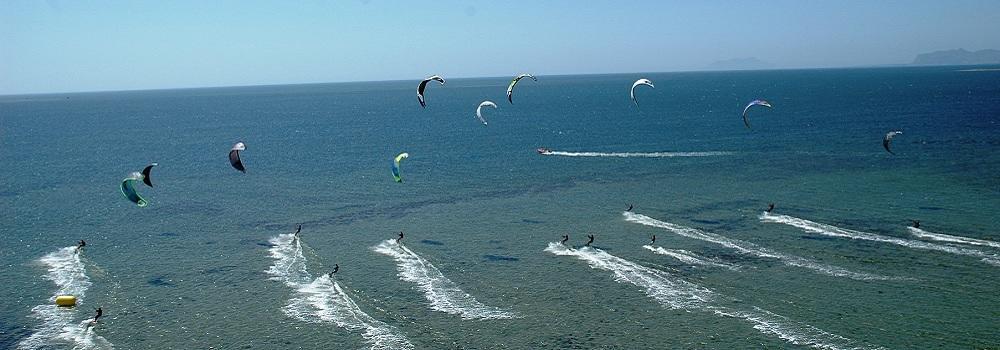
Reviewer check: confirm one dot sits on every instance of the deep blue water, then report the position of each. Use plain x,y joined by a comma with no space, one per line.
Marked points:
481,205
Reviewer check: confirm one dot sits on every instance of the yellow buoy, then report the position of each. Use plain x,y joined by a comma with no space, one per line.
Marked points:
66,300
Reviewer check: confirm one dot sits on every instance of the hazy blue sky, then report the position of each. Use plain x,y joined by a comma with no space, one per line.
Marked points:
56,46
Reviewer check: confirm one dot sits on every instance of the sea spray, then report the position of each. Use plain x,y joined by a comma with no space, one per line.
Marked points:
61,326
322,300
443,294
689,257
919,233
833,231
676,293
752,249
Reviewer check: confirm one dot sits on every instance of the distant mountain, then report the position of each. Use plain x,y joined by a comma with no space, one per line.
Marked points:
958,57
740,64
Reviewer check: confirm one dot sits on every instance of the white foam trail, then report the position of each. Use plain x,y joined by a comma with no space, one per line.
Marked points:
323,300
792,331
289,263
833,231
671,292
689,257
60,326
919,233
444,295
751,249
638,154
676,293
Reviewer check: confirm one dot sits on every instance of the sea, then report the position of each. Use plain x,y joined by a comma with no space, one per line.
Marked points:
212,262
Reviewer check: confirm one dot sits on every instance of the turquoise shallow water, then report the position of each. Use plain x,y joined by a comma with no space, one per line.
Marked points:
480,207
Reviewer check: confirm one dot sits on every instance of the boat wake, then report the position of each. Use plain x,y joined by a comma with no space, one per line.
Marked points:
676,293
61,326
833,231
323,300
752,249
443,294
638,154
919,233
689,257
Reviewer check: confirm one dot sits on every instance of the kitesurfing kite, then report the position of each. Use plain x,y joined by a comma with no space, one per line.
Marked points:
479,110
753,103
510,88
145,174
128,189
234,156
395,166
637,83
888,138
423,85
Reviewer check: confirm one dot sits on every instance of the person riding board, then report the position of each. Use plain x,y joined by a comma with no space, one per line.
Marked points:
98,316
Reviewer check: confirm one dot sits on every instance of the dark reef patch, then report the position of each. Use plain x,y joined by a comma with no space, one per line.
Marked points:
160,281
492,257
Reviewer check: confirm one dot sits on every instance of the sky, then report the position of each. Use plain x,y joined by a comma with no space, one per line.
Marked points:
89,45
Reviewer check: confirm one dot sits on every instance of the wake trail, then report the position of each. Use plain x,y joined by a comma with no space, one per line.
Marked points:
60,326
752,249
638,154
689,257
443,294
289,262
919,233
833,231
676,293
323,300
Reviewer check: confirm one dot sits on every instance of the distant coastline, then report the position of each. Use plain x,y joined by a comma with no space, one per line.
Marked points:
957,57
979,70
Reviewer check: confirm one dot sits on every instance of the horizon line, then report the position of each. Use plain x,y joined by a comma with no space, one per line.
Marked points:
702,70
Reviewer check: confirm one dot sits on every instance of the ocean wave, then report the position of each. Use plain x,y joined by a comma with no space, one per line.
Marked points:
689,257
752,249
638,154
952,239
833,231
322,300
60,326
676,293
443,294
